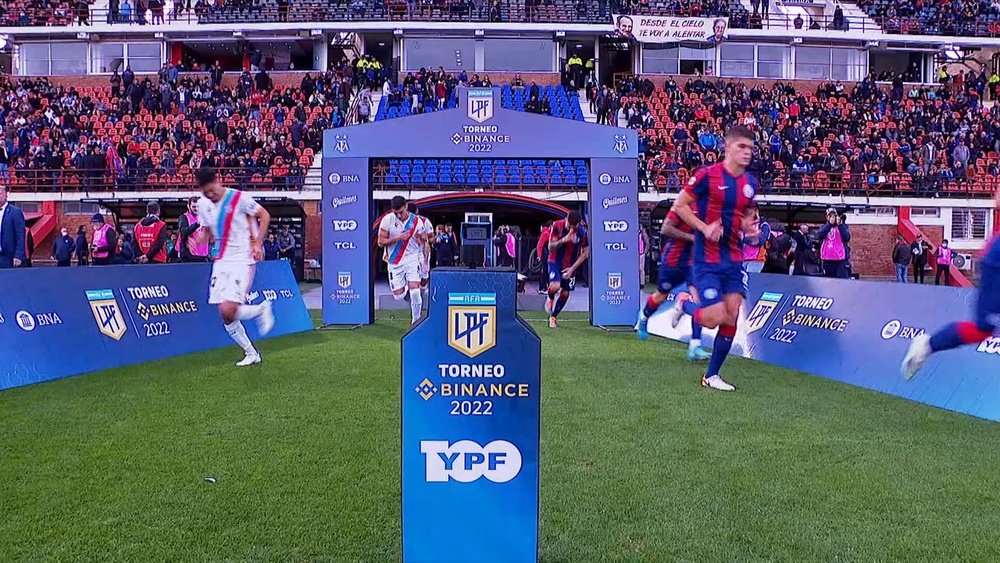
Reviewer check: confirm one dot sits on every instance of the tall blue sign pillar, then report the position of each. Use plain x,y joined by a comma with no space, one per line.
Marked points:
470,410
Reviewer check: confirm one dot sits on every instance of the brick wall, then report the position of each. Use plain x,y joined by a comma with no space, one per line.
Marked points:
313,243
871,248
43,248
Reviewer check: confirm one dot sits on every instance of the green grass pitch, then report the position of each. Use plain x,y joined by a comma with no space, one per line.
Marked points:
638,462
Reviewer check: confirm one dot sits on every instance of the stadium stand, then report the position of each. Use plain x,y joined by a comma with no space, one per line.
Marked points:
855,139
144,133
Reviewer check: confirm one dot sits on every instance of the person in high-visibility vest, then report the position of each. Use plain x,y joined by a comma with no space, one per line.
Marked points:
151,237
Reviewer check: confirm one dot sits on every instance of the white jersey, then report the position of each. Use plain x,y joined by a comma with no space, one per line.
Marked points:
231,221
406,251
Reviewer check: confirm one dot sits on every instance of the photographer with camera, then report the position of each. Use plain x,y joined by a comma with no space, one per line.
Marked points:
834,251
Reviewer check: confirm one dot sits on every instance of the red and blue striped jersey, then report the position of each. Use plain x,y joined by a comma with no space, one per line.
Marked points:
566,254
720,196
675,252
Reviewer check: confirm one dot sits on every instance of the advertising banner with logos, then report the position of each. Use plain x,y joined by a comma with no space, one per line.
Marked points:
348,296
857,332
471,373
614,234
479,128
55,323
666,29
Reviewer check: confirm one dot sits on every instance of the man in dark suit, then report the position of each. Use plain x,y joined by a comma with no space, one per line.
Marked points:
11,233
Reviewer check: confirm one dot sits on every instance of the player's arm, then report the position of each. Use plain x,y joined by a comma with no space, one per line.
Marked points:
557,238
670,230
682,208
383,238
257,239
584,254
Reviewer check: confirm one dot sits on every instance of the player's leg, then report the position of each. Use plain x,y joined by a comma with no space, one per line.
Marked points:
565,286
397,282
711,311
263,312
554,275
695,351
723,344
986,323
666,281
412,274
224,291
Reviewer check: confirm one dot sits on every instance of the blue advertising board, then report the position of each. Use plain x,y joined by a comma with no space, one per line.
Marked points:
347,246
470,424
857,332
614,234
58,322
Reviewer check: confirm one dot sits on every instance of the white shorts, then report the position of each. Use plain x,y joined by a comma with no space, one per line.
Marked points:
401,274
230,282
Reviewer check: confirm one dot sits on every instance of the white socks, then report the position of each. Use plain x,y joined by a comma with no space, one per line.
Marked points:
246,312
694,343
416,301
239,335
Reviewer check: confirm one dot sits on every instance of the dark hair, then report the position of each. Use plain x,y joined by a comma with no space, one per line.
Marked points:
205,175
193,199
547,223
739,132
153,208
573,218
398,202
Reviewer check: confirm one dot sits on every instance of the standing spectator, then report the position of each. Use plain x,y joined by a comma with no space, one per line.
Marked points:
919,250
105,244
82,249
943,256
62,249
834,236
444,248
778,250
271,250
12,240
286,245
643,251
151,237
901,256
29,248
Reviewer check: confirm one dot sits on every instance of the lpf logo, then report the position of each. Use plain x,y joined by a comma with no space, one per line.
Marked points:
344,279
466,461
480,105
762,311
615,280
107,313
472,330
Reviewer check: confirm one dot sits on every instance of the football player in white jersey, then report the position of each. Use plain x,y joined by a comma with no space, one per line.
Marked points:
426,232
236,222
401,234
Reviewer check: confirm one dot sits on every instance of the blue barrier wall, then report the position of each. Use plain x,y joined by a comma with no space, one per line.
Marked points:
58,322
470,424
857,332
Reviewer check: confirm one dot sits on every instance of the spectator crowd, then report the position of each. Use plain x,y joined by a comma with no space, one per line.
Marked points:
864,138
144,132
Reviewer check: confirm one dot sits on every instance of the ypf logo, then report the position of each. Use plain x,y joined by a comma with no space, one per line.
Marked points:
466,461
615,226
348,225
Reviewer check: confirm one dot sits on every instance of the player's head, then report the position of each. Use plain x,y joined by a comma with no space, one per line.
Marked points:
573,219
625,26
399,207
208,182
153,208
193,204
739,146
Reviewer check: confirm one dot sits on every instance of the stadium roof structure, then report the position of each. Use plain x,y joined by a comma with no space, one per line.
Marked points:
479,128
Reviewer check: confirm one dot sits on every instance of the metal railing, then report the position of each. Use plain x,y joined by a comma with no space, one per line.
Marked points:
69,180
511,11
